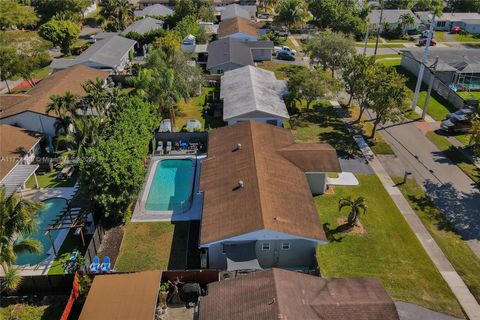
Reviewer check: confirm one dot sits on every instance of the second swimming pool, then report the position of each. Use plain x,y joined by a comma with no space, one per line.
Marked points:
172,185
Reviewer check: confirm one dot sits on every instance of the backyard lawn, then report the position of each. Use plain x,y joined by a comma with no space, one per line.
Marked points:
457,251
438,107
192,110
32,308
50,180
321,124
388,250
469,95
153,246
71,243
455,156
280,69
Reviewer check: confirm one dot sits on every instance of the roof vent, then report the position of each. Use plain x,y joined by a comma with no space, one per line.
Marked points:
240,183
271,301
238,147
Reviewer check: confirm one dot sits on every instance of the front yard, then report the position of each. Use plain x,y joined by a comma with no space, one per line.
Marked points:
154,246
389,250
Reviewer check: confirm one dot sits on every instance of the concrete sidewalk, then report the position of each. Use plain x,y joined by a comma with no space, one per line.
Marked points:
451,277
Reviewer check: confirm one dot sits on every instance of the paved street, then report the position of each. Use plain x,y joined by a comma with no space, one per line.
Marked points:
451,190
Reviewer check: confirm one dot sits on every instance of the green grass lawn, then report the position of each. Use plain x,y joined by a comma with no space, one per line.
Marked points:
466,38
321,124
389,250
153,246
33,308
381,45
390,62
192,109
387,55
72,242
280,69
455,156
457,251
50,180
469,95
42,72
438,107
439,36
464,139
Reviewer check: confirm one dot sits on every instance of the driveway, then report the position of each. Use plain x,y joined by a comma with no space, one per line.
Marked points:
452,191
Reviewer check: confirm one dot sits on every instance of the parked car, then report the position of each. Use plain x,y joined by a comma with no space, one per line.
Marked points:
457,124
465,111
286,49
263,15
282,55
456,29
165,126
422,42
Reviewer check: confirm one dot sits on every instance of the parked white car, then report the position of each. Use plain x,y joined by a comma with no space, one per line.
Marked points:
285,49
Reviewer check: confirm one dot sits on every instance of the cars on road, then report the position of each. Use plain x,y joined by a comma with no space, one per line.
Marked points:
457,123
285,49
285,56
468,111
455,29
423,41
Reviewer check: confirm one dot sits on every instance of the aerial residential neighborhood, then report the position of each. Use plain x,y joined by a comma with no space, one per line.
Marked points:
239,159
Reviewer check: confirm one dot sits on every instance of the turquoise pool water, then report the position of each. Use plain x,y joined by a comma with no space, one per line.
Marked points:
171,187
45,216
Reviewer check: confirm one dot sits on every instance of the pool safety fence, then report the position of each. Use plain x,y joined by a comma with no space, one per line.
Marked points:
95,242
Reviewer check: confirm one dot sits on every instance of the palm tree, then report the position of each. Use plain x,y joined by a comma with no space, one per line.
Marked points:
406,20
98,96
65,107
119,12
357,206
17,216
291,13
85,133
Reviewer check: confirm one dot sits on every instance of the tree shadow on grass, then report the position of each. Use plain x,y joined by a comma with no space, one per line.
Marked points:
332,234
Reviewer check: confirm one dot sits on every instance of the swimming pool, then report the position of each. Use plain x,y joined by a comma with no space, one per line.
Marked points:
171,186
46,215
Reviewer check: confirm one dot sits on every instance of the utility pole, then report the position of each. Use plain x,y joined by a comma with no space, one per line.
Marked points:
433,71
367,34
422,64
379,26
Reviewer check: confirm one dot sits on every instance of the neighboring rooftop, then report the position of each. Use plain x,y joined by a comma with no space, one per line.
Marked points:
390,15
14,144
144,25
58,83
234,51
275,194
106,53
450,16
249,89
123,296
235,25
450,59
275,294
155,10
233,11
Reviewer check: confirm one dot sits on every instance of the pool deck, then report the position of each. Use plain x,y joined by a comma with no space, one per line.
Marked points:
43,267
140,214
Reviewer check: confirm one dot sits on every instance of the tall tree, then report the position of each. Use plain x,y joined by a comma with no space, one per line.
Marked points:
475,136
389,96
406,20
72,9
12,14
330,50
398,4
291,14
356,75
62,33
118,13
9,64
17,217
65,107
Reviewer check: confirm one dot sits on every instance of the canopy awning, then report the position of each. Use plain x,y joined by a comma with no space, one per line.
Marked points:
241,256
15,179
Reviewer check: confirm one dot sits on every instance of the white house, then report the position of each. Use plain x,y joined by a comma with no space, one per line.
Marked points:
258,209
251,93
29,110
469,21
393,17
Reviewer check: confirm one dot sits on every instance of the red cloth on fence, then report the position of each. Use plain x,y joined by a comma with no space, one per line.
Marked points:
73,296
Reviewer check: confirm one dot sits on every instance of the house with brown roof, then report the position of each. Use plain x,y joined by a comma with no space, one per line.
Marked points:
18,148
258,209
280,294
29,110
239,28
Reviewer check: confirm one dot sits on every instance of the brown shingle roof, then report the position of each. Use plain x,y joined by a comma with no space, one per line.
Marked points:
123,296
235,25
38,98
275,195
312,157
14,143
280,294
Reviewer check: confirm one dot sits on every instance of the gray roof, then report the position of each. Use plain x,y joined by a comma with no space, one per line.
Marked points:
390,16
106,53
156,10
251,90
233,11
458,16
228,50
144,25
450,59
262,44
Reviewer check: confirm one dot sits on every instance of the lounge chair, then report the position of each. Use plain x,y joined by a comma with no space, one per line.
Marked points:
94,267
160,147
169,146
105,266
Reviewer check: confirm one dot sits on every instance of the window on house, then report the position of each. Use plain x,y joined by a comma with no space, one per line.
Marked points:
266,246
274,122
285,245
441,23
